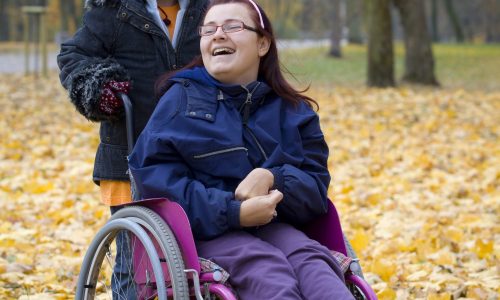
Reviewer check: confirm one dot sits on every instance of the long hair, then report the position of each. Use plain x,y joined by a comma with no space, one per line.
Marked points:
270,68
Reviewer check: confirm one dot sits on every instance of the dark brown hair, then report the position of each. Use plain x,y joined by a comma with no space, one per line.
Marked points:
270,68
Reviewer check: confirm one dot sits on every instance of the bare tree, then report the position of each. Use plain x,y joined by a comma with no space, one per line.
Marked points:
355,22
491,21
337,27
4,21
419,60
69,16
434,20
380,46
455,21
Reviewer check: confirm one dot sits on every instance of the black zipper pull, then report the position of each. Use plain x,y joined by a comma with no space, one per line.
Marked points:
248,103
246,109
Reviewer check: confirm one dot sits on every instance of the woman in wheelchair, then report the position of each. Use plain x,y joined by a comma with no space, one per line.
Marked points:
243,153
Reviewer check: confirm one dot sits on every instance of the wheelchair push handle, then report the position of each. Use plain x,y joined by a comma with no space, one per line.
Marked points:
129,120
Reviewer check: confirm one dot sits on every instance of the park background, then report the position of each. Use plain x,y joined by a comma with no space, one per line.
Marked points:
409,98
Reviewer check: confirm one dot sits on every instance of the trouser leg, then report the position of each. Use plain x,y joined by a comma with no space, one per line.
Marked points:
318,274
257,270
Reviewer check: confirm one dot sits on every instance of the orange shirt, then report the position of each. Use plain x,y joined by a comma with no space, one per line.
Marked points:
171,13
114,192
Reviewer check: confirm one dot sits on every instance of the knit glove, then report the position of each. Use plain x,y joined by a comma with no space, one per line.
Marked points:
109,103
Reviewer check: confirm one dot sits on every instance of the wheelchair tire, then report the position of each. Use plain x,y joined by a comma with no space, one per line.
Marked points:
359,288
161,232
96,274
355,266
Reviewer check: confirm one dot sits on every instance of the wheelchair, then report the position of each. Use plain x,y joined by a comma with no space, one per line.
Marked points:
147,251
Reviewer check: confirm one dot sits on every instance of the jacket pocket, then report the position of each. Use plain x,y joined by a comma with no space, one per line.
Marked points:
219,152
229,162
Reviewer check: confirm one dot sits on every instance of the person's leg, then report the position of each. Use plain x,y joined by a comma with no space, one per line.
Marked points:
317,271
257,270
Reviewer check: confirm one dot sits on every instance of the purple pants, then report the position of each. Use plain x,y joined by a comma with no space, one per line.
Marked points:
276,261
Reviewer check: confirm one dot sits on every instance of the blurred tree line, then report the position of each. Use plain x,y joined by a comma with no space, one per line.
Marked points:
376,23
448,20
63,17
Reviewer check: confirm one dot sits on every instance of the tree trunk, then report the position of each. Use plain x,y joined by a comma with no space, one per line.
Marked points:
4,21
455,21
380,46
63,8
419,60
15,20
73,13
336,33
492,21
355,22
434,20
69,16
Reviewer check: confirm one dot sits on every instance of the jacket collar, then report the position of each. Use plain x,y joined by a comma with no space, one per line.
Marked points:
200,75
203,103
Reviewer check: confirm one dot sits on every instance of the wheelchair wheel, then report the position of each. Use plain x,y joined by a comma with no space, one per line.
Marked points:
355,267
170,256
110,248
359,288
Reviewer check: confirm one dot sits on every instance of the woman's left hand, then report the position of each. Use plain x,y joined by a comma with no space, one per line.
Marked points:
257,183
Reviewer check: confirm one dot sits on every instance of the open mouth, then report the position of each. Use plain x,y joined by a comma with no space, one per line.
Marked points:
222,51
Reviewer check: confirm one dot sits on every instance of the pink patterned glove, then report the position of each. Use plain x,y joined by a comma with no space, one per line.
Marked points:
109,102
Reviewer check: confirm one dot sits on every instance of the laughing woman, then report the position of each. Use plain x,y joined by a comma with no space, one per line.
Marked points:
243,153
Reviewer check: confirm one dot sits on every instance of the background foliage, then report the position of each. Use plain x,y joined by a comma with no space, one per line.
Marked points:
416,170
416,177
476,20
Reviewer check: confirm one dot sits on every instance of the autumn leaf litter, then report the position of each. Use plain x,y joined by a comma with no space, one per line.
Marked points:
416,179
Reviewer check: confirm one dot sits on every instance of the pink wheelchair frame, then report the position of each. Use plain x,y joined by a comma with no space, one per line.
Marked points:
326,230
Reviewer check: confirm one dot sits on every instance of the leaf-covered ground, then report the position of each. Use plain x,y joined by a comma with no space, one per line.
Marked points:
416,178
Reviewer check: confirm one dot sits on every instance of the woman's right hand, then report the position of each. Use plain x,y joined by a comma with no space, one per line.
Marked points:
260,210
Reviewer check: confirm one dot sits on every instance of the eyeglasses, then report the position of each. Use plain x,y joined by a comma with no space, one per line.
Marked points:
229,27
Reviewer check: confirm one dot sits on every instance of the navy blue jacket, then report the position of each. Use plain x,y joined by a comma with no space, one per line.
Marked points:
204,138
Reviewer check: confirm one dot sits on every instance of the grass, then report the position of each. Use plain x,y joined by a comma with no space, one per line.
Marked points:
467,66
18,47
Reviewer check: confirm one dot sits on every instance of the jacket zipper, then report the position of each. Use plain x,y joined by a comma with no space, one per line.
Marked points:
246,115
257,142
204,155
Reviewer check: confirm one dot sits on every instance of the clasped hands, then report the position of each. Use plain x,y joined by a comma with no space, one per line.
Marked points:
258,205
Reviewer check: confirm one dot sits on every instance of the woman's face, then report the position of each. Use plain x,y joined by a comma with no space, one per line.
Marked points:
232,58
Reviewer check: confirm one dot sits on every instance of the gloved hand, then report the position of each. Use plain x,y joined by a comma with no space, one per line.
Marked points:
109,103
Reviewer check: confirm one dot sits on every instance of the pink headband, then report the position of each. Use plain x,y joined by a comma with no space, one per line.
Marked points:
258,11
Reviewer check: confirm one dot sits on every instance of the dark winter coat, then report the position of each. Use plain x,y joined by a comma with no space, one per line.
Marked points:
124,40
205,137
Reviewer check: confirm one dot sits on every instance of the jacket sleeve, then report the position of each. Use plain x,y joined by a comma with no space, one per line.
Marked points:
86,64
305,186
159,170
